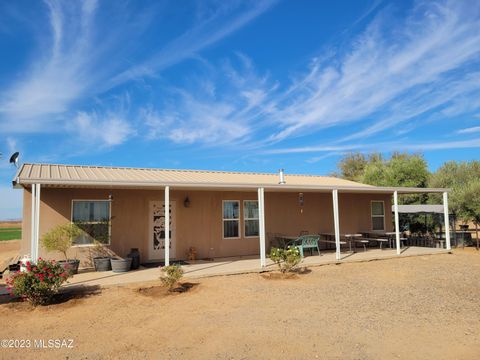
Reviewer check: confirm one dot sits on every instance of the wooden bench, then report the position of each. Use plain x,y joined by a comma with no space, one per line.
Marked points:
380,241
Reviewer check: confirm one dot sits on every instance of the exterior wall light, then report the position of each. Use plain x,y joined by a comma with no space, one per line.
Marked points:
301,201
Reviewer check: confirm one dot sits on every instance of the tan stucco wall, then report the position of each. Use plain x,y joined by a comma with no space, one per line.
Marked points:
200,225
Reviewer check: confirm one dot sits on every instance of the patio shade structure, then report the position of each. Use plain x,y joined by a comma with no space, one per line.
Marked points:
420,209
439,209
37,176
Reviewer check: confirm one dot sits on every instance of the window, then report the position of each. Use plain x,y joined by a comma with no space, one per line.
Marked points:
378,215
231,219
250,217
93,217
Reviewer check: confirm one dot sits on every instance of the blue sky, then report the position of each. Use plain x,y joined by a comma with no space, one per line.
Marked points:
235,85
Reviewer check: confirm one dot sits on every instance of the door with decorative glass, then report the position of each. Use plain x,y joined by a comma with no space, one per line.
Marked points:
156,241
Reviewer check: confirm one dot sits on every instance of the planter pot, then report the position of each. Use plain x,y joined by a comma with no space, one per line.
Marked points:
135,255
121,265
102,263
70,265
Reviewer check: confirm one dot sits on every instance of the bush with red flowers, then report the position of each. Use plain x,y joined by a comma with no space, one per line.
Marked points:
39,283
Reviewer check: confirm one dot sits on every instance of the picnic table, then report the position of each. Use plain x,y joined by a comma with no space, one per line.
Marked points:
350,238
387,236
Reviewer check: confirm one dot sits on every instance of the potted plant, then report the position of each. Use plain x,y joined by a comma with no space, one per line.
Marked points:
102,263
121,265
101,260
60,238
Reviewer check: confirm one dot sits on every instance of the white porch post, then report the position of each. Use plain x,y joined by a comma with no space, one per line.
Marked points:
397,224
33,221
336,223
37,227
447,222
261,223
167,225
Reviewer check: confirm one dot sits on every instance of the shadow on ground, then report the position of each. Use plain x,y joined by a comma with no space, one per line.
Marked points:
65,295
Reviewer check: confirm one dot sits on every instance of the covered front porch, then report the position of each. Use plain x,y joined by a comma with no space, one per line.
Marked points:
344,220
194,215
242,265
215,220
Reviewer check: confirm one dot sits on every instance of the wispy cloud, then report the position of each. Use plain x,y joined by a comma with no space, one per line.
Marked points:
83,57
391,67
109,131
395,74
218,109
381,147
61,74
398,73
470,130
211,28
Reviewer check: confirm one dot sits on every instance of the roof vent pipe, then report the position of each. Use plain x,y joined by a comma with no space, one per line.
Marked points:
281,174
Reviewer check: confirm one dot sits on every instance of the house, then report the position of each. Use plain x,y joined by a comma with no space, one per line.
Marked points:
220,214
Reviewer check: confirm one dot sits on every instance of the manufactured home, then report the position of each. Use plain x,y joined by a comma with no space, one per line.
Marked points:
211,213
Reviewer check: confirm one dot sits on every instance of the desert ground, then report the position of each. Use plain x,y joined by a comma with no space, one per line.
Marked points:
10,234
12,223
425,307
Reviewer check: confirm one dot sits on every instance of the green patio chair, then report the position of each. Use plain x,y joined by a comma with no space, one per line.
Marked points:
306,242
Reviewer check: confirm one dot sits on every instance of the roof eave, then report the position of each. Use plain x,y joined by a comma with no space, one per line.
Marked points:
277,187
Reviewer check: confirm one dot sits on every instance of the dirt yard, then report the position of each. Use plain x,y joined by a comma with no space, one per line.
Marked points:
9,246
10,224
413,308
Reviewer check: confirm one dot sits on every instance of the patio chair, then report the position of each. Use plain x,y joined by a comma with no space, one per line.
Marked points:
306,242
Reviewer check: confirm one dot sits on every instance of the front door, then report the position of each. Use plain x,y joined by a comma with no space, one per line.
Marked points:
156,241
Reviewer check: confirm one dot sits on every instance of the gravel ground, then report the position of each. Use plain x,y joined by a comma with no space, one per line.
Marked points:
424,307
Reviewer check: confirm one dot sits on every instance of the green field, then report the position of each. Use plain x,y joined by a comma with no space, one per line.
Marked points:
10,234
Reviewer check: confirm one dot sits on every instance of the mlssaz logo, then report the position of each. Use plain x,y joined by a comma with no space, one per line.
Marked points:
54,343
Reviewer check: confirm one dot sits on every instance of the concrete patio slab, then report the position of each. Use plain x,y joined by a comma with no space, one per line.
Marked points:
241,265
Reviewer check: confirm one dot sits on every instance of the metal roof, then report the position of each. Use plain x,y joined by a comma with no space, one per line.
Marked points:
55,175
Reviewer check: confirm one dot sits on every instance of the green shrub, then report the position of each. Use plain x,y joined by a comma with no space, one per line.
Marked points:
286,259
171,275
61,237
39,283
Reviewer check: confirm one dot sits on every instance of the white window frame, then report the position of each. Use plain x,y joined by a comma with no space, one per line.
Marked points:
377,216
238,219
245,221
109,223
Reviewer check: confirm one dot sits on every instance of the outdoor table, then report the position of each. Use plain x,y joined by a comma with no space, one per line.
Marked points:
389,234
349,237
391,239
328,239
352,238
